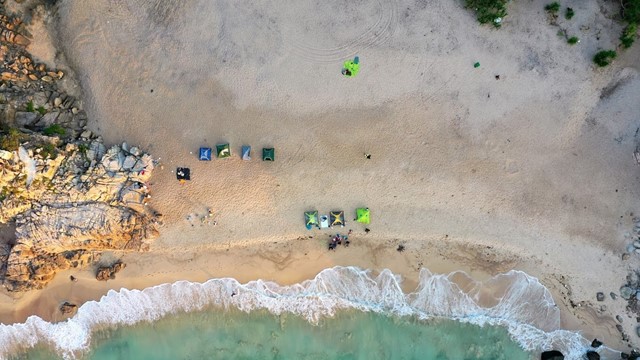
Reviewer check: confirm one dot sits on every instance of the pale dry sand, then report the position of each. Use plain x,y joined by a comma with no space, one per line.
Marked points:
533,171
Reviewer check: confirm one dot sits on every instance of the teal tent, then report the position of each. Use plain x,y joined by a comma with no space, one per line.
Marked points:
268,154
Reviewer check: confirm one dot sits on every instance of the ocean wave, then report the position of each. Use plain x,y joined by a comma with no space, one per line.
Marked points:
513,300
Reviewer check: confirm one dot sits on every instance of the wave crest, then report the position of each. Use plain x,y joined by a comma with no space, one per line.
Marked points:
514,300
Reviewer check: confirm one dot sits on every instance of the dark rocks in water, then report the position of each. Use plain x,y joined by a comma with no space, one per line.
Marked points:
613,295
109,272
68,308
634,355
600,296
592,355
596,343
624,356
552,355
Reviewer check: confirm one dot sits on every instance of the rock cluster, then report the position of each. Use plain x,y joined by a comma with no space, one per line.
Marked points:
84,200
68,308
105,273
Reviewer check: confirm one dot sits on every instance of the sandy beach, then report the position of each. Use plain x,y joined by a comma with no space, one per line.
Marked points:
525,162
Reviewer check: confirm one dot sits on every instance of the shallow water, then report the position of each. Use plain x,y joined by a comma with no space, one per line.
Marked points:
219,334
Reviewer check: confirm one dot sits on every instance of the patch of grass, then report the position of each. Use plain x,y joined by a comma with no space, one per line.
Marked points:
488,11
54,129
631,11
553,8
49,150
30,107
573,40
568,14
604,57
10,139
41,110
629,35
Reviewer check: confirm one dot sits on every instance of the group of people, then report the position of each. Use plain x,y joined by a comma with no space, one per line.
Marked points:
338,239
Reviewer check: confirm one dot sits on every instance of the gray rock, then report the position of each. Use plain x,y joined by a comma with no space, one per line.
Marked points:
125,147
630,248
57,102
626,292
48,119
86,134
625,256
613,295
24,118
600,296
136,151
129,162
638,331
636,244
619,318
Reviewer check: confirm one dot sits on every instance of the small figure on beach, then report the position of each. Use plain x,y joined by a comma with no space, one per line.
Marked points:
233,293
73,278
367,230
367,156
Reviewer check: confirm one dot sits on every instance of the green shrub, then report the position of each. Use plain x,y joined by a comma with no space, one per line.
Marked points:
488,11
573,40
553,8
49,150
54,129
41,110
569,13
30,107
10,139
631,11
604,57
629,35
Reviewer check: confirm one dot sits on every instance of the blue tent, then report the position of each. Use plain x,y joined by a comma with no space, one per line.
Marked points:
246,152
205,153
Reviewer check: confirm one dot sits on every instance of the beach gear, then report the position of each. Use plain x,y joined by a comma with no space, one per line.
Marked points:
351,67
205,154
324,222
183,174
223,151
363,215
311,219
337,218
246,152
268,154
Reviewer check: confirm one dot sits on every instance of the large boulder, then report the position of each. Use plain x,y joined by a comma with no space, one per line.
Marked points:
25,118
552,355
592,355
109,272
68,308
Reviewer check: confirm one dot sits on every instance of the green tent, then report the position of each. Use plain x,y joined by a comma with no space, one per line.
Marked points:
223,151
311,219
362,215
268,154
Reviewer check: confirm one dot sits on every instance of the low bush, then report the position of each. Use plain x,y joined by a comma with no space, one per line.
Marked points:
488,11
10,139
569,13
629,35
604,57
54,129
573,40
553,8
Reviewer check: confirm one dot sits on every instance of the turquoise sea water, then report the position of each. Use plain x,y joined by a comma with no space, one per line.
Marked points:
261,335
343,313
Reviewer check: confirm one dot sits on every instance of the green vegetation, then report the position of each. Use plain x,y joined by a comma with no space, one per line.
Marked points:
54,129
10,139
488,11
41,110
569,13
631,14
553,8
4,193
629,35
49,150
30,107
573,40
604,57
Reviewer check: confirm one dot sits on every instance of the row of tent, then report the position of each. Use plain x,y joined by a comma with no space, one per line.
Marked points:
335,218
224,151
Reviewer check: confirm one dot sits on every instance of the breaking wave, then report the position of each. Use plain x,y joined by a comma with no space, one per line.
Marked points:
513,300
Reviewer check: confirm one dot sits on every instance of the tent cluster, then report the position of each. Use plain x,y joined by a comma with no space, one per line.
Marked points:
335,218
224,151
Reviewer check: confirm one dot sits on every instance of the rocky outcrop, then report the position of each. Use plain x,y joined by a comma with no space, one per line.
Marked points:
552,355
80,201
105,273
68,308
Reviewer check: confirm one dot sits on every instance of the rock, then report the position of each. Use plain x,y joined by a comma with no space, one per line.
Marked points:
600,296
626,292
592,355
109,272
86,134
625,256
638,331
619,318
74,110
57,102
619,328
46,78
125,147
48,119
596,343
25,118
6,155
552,355
613,295
129,162
68,308
636,244
624,355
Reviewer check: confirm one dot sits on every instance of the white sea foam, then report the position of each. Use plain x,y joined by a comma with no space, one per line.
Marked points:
513,300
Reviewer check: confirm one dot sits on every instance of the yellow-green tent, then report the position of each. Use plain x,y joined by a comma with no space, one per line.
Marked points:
363,215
